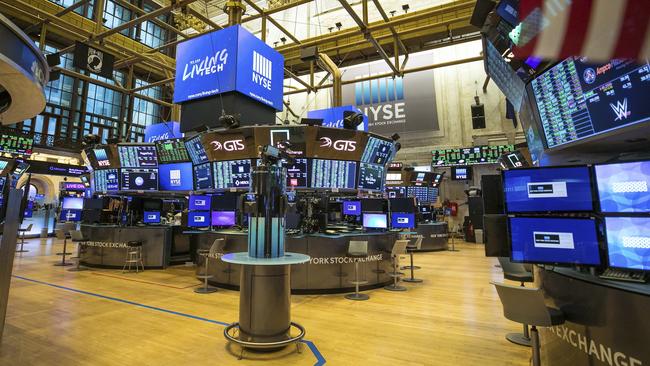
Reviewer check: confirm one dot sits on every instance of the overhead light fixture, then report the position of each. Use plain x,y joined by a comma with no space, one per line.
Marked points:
338,25
406,8
284,40
275,44
229,121
352,120
331,29
392,13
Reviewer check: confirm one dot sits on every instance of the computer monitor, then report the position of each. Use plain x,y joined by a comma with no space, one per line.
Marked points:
628,242
623,187
70,215
176,177
198,218
292,221
374,221
93,203
563,189
402,204
225,201
223,218
401,220
152,204
351,208
373,205
139,179
200,202
461,173
554,240
72,203
151,217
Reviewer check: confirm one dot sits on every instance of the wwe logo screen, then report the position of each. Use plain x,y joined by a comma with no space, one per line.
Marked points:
620,109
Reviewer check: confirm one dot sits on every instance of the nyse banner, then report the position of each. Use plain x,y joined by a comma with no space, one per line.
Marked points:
400,104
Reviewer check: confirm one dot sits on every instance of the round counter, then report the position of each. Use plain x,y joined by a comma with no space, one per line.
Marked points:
435,236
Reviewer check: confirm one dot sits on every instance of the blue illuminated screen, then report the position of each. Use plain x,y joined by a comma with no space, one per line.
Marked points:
151,217
72,203
402,220
624,187
70,215
375,221
628,242
203,176
554,240
548,189
223,218
198,219
352,208
200,202
176,177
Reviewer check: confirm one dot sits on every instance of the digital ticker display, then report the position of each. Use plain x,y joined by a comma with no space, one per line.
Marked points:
172,151
486,154
196,151
107,180
333,174
298,174
232,174
16,144
138,156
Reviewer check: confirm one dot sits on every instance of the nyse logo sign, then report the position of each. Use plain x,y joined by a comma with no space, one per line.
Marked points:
262,71
175,177
206,66
338,145
230,145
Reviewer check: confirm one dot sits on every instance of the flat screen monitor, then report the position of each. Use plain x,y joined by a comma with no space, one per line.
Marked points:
223,218
138,156
203,176
628,242
93,203
70,215
106,180
200,202
198,218
224,201
402,205
102,156
172,151
401,220
15,144
373,205
152,205
333,174
196,151
623,187
72,203
371,177
298,174
139,179
176,177
377,151
151,217
374,221
396,191
554,240
461,173
3,165
564,189
351,208
232,174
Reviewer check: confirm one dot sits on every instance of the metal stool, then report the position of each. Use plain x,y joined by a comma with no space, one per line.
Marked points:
60,234
398,249
517,272
410,249
217,245
357,250
133,256
77,237
22,238
526,305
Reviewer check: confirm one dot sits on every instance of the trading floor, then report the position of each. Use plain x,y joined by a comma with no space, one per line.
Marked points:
103,317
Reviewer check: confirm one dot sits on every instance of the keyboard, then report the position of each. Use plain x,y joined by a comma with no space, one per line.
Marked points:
618,275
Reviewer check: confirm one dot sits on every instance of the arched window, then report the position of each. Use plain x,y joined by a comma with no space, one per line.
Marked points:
33,191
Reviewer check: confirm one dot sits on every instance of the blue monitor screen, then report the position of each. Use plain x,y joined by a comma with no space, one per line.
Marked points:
223,218
196,151
72,203
402,220
203,176
70,215
548,189
628,242
198,219
554,240
151,217
624,187
375,221
139,179
176,177
352,208
200,202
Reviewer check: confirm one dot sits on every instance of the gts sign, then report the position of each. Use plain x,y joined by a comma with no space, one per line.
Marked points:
230,145
338,145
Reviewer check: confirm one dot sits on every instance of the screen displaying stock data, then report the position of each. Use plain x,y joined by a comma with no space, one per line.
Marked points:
333,174
577,99
138,156
486,154
172,151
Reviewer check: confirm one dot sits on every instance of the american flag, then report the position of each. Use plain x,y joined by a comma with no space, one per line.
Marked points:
600,30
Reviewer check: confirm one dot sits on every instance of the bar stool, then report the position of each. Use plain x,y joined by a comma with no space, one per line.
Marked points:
217,245
22,232
77,237
526,305
398,249
517,272
133,256
410,248
356,250
60,234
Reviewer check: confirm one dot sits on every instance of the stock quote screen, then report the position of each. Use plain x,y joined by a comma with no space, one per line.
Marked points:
16,144
172,151
577,99
470,155
333,174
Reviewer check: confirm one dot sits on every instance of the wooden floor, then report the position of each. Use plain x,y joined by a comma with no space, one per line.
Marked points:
104,317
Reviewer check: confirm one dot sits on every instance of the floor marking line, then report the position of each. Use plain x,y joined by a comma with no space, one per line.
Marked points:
145,282
320,360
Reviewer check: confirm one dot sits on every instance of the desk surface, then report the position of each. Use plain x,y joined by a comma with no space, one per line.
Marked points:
245,259
639,288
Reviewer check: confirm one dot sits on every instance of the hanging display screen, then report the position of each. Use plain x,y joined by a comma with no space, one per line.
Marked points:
172,151
232,174
333,174
137,156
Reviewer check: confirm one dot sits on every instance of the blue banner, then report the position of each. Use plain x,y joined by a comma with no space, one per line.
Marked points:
333,117
162,131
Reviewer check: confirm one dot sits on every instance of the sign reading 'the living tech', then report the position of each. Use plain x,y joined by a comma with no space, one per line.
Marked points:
231,59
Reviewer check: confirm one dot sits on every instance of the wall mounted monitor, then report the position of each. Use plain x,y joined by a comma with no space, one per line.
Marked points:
483,154
70,215
400,220
377,151
623,187
196,151
351,208
15,144
138,156
461,173
628,242
333,174
374,221
402,205
554,240
176,177
106,180
599,98
203,176
151,217
139,179
232,174
564,189
72,203
298,173
200,202
171,151
371,177
223,218
198,219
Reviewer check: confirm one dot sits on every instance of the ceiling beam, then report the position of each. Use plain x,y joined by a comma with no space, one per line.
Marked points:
270,18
